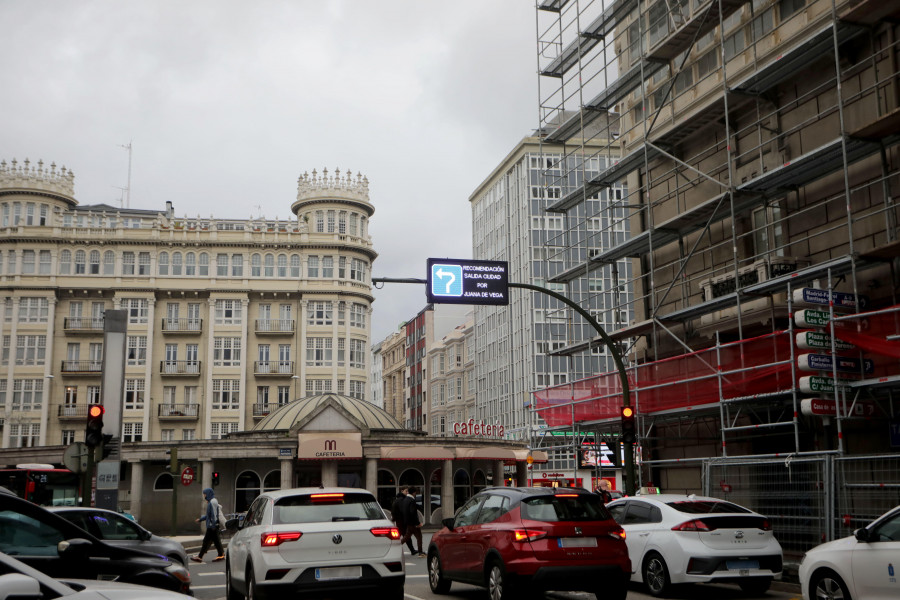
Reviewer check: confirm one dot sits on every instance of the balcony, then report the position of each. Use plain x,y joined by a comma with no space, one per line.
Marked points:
190,326
82,367
175,412
284,368
262,410
83,324
72,411
274,326
179,367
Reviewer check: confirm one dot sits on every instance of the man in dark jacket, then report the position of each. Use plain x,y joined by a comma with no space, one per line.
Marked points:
398,514
211,537
413,524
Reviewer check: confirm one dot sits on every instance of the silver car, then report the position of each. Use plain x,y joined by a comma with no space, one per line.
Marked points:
118,530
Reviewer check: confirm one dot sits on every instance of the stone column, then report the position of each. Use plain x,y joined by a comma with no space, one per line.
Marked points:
447,508
137,488
329,473
498,473
372,475
287,473
521,473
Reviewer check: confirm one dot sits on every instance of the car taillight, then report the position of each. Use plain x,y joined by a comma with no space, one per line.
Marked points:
276,538
617,533
565,495
766,526
327,497
528,535
388,532
695,525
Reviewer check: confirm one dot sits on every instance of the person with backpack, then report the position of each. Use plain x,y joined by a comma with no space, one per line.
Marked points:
211,537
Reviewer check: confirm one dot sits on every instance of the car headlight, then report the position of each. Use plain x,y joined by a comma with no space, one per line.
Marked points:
179,572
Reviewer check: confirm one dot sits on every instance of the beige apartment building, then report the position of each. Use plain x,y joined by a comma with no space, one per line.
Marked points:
451,381
228,318
393,356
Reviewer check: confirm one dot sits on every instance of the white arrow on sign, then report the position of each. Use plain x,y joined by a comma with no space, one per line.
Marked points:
442,273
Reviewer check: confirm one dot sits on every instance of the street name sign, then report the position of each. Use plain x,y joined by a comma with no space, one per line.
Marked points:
815,384
840,299
456,281
812,318
825,407
814,340
823,362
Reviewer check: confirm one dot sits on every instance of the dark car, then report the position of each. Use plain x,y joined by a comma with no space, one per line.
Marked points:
118,530
54,546
515,540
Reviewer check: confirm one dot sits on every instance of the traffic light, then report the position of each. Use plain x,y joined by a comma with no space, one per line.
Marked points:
215,479
93,433
629,434
173,460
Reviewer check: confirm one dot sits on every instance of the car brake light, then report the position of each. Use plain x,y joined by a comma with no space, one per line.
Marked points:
276,538
566,495
330,497
617,533
695,525
766,526
528,535
388,532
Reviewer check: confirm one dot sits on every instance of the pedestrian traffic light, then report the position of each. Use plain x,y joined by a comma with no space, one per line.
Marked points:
93,433
215,479
629,434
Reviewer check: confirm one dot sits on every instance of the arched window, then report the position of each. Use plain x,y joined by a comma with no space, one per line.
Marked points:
478,481
65,262
162,264
246,489
460,488
190,264
295,266
95,262
387,488
109,263
434,514
270,265
204,265
176,263
79,262
282,266
164,483
255,265
272,481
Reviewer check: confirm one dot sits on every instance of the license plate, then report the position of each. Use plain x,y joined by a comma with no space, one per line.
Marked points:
585,542
742,566
331,573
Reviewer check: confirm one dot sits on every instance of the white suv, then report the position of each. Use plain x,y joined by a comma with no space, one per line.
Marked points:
316,541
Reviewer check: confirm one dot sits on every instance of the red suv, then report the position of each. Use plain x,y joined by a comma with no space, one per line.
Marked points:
524,539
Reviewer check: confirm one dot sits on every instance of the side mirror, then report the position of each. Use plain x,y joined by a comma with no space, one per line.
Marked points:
862,535
20,587
448,523
76,549
233,524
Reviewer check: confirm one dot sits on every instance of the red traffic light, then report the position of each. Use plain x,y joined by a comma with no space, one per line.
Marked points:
96,410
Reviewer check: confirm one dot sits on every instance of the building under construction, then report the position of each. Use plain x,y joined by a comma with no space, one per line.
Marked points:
758,145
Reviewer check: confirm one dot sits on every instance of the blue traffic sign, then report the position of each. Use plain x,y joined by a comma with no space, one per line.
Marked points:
446,280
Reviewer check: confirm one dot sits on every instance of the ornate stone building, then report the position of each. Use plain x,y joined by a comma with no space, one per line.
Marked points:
227,318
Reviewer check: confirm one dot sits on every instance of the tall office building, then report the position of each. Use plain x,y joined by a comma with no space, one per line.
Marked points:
227,318
517,347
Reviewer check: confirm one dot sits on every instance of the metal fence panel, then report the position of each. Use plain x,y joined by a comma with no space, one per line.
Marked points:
867,487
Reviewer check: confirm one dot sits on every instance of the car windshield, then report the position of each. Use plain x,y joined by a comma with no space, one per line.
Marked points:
565,507
698,507
325,507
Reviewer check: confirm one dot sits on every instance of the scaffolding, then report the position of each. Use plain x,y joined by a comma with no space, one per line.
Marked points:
756,145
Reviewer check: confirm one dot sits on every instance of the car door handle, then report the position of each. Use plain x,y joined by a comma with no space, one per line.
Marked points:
645,534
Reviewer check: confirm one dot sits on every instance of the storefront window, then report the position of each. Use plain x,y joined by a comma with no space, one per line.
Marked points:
461,489
246,489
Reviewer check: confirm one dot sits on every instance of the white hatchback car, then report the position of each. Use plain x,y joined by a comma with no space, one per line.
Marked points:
865,565
676,539
316,541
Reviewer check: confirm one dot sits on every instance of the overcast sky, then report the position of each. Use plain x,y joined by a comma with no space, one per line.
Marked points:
227,102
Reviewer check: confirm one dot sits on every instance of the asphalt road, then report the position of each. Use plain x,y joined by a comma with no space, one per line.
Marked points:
209,584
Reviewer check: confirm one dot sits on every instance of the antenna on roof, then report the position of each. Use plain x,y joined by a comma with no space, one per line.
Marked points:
127,189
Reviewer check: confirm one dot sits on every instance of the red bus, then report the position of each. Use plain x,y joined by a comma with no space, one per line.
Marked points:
42,484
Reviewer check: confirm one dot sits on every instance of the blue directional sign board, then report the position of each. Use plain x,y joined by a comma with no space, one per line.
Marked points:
455,281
